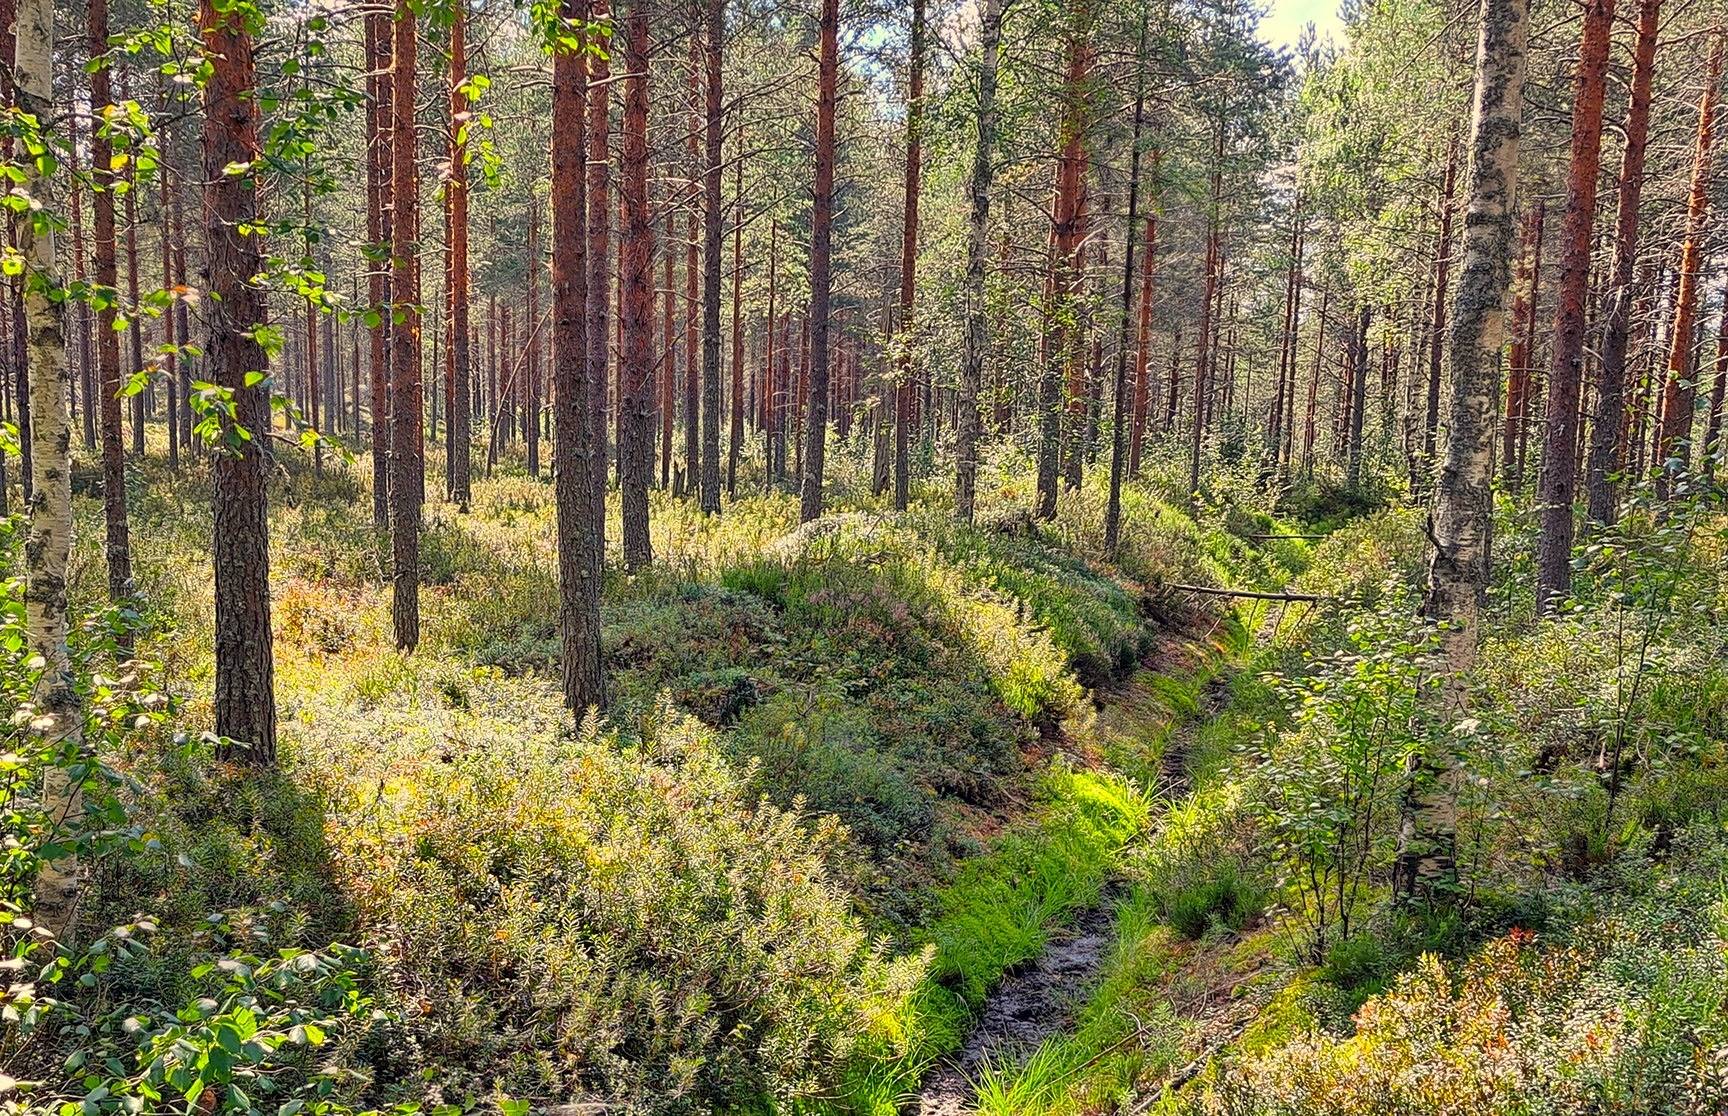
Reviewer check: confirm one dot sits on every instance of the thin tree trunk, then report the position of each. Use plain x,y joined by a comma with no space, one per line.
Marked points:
821,245
119,544
668,357
1358,399
692,267
735,434
460,435
1606,445
86,385
1557,485
904,388
769,432
407,463
636,305
977,232
1203,353
529,390
714,216
245,669
379,109
170,340
1314,383
1118,431
1437,331
1143,347
578,572
1680,391
1713,422
1067,215
135,334
1519,357
599,262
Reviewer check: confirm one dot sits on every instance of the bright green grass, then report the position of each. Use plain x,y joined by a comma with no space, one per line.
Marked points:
996,914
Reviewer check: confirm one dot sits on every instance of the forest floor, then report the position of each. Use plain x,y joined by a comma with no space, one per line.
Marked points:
1024,1051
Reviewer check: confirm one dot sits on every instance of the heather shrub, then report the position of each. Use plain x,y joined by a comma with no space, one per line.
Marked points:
1621,1015
598,913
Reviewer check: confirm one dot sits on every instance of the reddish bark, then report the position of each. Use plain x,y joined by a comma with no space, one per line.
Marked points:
529,392
822,235
1067,219
106,273
573,444
668,360
1558,482
1679,395
599,264
456,194
713,217
636,305
1606,444
245,703
735,440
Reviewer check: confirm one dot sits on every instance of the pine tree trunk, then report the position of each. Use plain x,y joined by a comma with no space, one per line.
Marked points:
1118,427
1143,345
714,216
1713,421
1520,355
1310,411
977,232
669,357
1679,395
1557,485
1203,354
904,371
573,472
460,435
407,463
170,340
1437,329
735,433
1607,419
769,368
245,669
1066,217
134,335
1358,402
379,108
599,202
821,248
692,267
86,385
636,307
119,544
528,392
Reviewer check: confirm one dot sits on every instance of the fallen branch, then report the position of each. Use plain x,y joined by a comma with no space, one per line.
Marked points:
1255,594
1305,538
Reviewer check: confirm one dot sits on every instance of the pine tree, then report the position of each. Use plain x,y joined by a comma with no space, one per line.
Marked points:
245,667
1558,482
